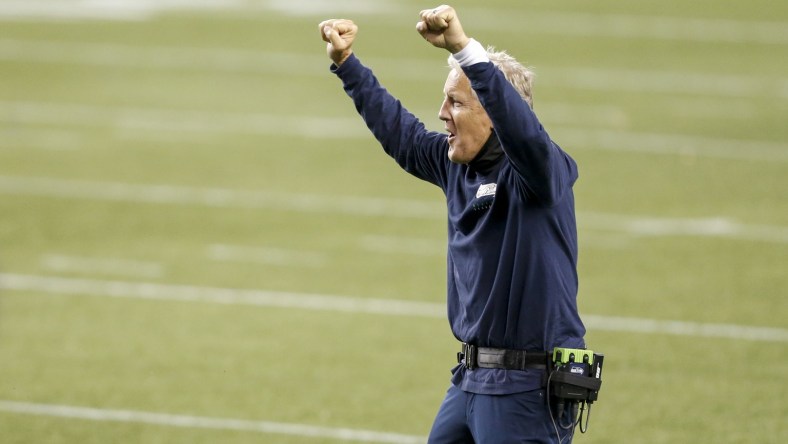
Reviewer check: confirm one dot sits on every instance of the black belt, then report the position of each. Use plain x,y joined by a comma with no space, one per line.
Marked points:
487,357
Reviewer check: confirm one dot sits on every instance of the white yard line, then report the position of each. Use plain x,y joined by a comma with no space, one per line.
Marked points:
227,296
638,225
629,26
349,304
665,226
266,255
40,138
580,24
20,10
219,197
102,266
322,8
136,10
663,82
683,328
203,422
163,57
172,120
167,121
314,64
575,138
123,10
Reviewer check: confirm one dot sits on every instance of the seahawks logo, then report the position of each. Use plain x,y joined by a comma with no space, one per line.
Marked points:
488,189
484,196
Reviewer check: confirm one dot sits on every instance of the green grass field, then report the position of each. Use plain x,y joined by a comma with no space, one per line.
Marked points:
199,242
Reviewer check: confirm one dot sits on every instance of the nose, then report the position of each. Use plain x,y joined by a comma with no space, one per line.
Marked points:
443,113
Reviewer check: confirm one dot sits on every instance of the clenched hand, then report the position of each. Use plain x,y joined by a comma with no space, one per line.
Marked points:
441,27
339,33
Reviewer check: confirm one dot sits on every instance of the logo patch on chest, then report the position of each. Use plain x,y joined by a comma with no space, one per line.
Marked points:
487,189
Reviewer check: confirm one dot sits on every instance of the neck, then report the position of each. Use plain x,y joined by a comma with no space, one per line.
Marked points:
489,156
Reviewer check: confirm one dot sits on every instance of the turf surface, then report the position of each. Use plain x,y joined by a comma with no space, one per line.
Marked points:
211,148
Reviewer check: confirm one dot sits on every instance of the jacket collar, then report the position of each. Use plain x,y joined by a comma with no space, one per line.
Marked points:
488,157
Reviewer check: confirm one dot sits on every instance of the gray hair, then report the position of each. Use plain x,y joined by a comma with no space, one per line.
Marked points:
515,73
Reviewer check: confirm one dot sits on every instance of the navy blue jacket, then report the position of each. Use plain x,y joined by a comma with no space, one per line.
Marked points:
512,246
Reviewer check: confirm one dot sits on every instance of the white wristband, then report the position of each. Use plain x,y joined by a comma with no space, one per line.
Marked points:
472,54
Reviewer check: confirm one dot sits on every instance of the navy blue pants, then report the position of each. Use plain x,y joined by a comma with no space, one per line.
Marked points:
495,419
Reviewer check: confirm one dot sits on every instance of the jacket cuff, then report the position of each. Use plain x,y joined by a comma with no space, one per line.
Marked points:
472,54
346,65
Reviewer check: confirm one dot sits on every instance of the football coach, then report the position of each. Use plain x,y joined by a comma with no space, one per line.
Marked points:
512,236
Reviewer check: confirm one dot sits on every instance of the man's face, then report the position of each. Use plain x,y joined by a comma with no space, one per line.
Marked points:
467,122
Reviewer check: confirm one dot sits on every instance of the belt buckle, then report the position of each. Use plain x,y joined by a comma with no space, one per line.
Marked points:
469,356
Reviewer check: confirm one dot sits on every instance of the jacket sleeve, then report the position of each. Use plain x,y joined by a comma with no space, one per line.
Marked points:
418,151
546,171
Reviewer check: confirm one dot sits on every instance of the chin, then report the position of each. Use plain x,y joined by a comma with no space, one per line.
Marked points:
456,157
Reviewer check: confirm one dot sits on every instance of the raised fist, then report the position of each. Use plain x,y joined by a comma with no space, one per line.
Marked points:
339,33
441,27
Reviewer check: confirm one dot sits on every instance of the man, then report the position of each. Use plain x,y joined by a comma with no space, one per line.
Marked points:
512,239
